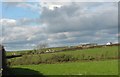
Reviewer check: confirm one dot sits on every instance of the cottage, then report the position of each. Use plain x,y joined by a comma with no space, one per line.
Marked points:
47,51
109,43
50,50
88,45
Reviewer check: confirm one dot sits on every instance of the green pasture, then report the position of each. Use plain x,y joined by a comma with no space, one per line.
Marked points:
92,54
95,52
109,67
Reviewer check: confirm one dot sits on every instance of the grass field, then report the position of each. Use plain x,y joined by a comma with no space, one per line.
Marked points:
109,67
95,52
85,55
27,51
17,52
105,63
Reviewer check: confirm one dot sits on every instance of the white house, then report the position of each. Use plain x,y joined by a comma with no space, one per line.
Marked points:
109,43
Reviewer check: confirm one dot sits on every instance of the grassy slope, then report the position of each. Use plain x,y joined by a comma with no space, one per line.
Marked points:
25,51
96,52
8,53
107,52
109,67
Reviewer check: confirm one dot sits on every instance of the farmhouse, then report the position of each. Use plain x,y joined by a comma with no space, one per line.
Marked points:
49,50
88,45
109,43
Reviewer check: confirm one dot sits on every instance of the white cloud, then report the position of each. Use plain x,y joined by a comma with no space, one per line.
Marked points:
14,33
51,5
75,18
25,33
76,1
33,6
60,1
70,23
8,22
13,0
24,5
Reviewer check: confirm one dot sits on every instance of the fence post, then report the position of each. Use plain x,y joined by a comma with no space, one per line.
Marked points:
0,60
3,59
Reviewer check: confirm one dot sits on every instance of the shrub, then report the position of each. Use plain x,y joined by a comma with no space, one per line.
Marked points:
25,60
63,58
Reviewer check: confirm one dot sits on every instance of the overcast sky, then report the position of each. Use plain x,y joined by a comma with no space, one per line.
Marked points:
26,24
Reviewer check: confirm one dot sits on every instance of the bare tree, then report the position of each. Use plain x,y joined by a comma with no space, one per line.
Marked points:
41,46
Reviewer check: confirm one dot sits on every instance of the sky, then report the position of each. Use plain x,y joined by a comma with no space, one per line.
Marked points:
24,24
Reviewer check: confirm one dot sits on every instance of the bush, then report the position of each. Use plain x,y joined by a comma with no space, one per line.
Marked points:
25,60
63,58
37,59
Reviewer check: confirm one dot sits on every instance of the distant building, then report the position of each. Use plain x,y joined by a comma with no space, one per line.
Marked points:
88,45
92,44
109,43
